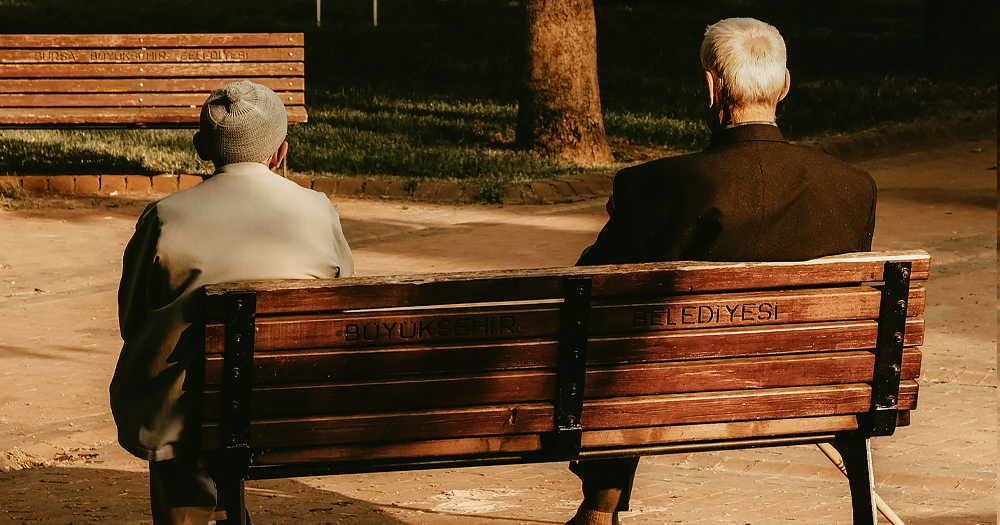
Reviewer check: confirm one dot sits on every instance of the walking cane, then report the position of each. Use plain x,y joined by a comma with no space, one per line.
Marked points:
881,505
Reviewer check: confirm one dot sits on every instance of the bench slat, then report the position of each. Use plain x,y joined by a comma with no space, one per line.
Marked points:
393,396
737,309
224,69
401,426
776,403
406,327
623,437
116,116
436,325
334,364
366,395
758,340
141,99
515,285
740,405
153,40
344,364
532,442
747,309
907,398
140,85
629,412
64,55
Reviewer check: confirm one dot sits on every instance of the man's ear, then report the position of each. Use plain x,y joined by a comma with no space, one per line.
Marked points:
710,80
278,156
199,148
788,83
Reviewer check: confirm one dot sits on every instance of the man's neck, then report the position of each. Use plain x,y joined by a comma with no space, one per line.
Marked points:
740,116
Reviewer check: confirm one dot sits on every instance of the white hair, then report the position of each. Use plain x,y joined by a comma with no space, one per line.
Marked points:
748,56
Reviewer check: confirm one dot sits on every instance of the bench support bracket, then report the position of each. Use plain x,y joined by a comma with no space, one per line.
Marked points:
881,420
572,369
237,385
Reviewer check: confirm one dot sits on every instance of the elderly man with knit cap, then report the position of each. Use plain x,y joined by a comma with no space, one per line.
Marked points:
749,196
243,222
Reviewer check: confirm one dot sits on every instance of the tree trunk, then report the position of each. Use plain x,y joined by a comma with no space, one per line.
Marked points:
560,103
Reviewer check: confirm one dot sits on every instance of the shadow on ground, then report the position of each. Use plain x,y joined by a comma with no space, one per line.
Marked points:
85,495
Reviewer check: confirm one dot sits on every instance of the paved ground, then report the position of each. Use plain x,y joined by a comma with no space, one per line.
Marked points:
59,270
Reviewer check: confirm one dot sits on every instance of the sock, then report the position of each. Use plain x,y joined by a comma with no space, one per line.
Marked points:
594,517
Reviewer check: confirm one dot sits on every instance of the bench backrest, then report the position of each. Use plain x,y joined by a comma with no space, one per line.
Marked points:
530,365
145,80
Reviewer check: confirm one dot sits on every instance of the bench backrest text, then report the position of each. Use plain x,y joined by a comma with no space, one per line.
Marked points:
155,80
612,360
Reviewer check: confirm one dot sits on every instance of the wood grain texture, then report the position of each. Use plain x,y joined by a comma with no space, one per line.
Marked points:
746,309
406,327
325,365
407,449
116,116
187,100
65,55
221,69
730,374
912,359
215,340
717,431
364,394
401,426
410,387
609,413
393,395
742,341
139,85
430,326
908,391
546,283
699,277
59,41
710,407
599,439
737,309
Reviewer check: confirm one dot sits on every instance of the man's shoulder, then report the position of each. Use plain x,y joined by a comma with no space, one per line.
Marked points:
823,166
228,188
674,168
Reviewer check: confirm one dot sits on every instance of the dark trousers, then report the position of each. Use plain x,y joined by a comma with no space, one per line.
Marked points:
603,474
182,493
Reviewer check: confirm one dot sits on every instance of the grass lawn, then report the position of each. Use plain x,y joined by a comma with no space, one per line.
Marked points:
432,91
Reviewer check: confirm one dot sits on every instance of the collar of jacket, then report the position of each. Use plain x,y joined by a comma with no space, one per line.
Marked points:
747,133
243,168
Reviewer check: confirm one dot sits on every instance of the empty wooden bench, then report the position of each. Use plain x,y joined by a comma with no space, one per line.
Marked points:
139,80
425,371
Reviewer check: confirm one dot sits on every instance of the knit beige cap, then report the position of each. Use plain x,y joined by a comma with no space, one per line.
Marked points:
242,122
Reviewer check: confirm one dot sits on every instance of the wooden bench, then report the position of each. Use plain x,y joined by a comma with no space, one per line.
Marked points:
139,80
425,371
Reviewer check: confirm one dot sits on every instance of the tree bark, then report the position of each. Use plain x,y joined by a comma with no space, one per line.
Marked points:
560,102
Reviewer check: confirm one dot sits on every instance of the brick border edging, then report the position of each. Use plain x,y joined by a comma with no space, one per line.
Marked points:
851,147
102,185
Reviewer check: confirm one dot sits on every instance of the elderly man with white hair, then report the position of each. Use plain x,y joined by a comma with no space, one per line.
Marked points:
244,222
749,196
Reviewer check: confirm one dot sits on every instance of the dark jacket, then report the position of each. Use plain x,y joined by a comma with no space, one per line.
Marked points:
749,196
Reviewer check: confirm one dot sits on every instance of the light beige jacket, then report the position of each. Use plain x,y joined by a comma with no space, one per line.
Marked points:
243,223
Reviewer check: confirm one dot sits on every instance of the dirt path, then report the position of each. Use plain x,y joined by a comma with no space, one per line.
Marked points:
59,270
